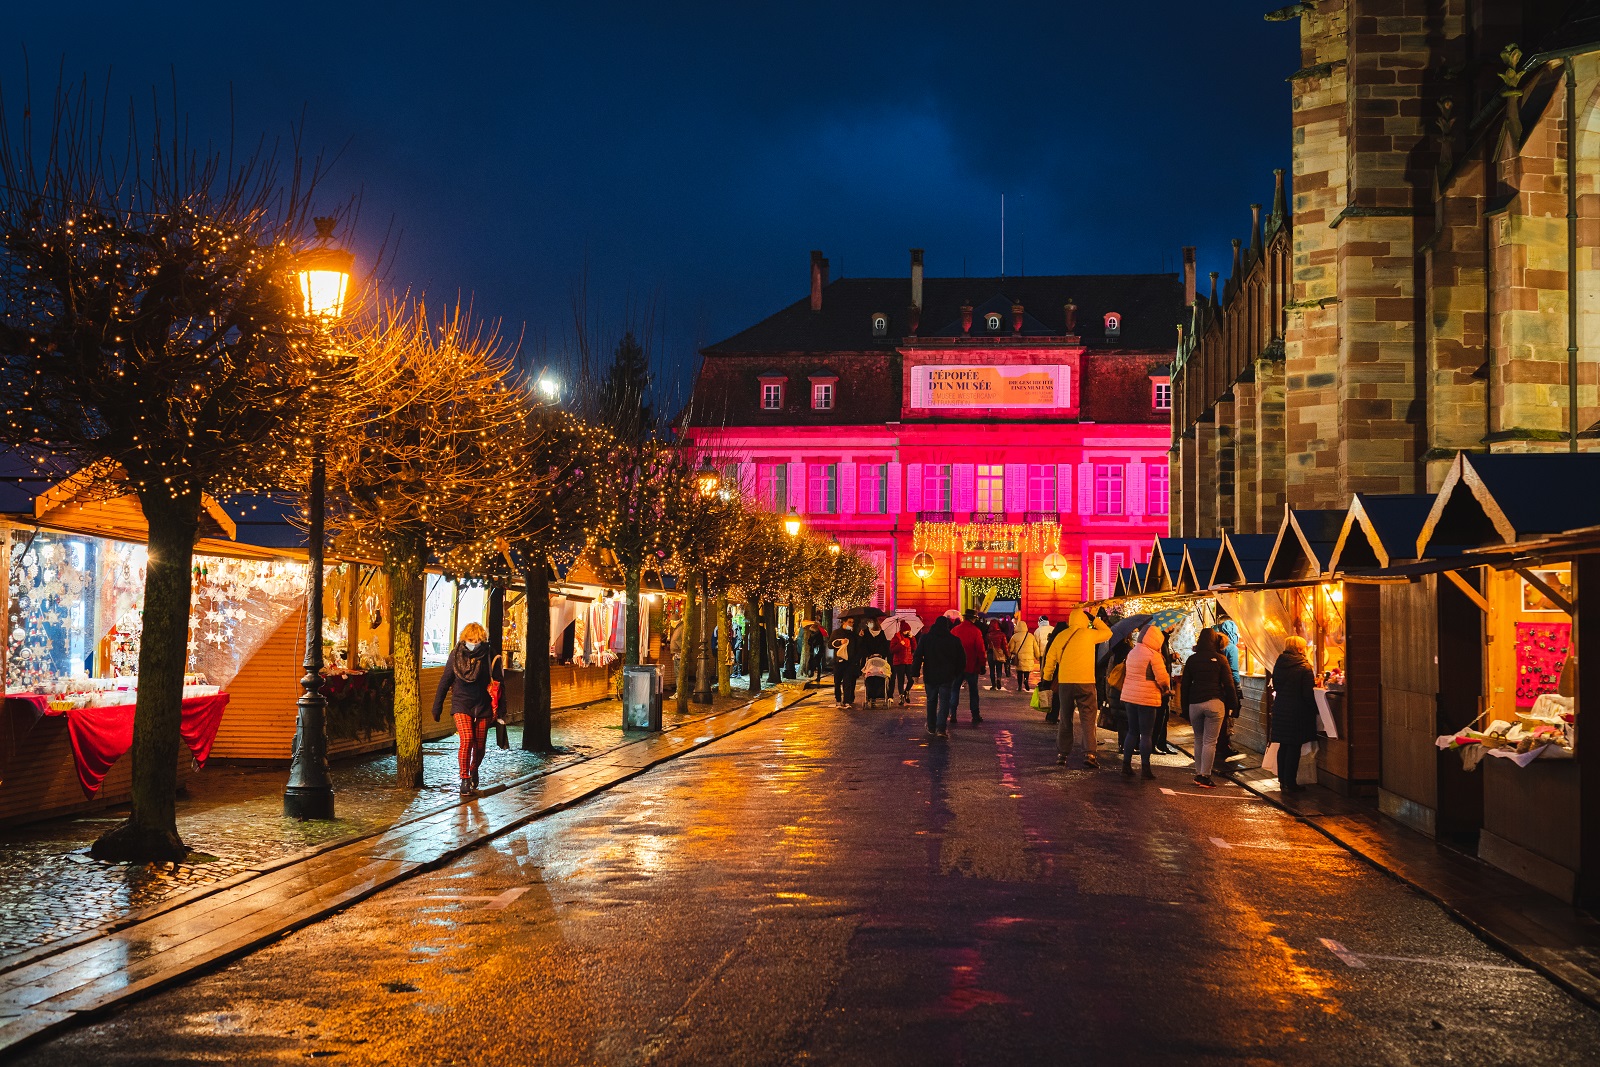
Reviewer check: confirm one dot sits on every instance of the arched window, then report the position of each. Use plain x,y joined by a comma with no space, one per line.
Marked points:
1113,324
993,322
880,325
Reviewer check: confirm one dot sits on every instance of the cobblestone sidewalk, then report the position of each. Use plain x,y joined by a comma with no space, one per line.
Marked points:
233,820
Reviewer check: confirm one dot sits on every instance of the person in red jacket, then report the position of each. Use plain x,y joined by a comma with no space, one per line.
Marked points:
971,638
902,650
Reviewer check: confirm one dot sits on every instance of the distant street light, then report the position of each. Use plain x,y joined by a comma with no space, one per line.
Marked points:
323,274
549,388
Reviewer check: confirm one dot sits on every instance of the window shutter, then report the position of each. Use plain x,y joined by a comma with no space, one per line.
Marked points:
1134,488
847,487
797,486
963,486
1086,489
1016,487
913,487
1064,489
894,488
1102,561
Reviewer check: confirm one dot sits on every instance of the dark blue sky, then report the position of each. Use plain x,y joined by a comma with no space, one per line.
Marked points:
692,154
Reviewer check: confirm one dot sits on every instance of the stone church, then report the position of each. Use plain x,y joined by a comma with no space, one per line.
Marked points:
1426,280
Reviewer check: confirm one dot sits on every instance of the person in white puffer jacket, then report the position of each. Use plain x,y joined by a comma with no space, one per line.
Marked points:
1144,692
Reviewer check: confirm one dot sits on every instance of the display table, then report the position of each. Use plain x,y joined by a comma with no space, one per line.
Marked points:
101,736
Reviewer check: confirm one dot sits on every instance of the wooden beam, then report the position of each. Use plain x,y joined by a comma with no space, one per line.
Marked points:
1539,583
1471,593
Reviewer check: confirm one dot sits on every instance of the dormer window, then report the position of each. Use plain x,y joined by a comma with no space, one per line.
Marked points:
880,325
772,391
1113,324
824,387
1163,395
993,322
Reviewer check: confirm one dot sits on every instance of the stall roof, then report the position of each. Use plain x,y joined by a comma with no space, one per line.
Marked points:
265,522
39,488
1505,498
1166,561
1242,560
1304,544
1379,530
1199,562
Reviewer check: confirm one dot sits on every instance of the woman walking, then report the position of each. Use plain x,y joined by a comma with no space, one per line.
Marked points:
1024,649
467,674
995,640
902,649
1144,695
1294,710
845,666
1209,694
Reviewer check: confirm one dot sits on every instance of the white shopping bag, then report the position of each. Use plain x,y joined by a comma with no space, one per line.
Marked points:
1306,773
1269,762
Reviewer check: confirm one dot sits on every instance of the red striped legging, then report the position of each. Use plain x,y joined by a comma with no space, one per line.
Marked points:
474,735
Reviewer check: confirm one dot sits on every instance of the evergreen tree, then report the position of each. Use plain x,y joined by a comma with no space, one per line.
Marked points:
623,407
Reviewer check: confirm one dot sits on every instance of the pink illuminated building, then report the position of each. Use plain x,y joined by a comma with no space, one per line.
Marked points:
986,422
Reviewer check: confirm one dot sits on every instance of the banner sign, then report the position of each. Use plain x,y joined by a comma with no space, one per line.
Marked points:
950,386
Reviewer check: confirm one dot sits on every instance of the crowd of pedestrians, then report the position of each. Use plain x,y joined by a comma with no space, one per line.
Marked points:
1080,684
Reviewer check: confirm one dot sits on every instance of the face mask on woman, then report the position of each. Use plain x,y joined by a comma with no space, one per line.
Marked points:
472,646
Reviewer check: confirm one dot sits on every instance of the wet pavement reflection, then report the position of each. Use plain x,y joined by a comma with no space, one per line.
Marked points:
835,887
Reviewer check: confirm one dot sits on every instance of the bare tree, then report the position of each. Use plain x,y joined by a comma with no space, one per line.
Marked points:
442,468
151,334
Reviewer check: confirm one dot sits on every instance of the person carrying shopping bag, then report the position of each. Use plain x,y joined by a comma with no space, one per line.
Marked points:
1294,709
1144,696
1024,651
1069,665
467,674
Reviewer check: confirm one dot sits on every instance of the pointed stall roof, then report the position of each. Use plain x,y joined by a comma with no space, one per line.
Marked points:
1242,559
1125,583
1166,563
1501,499
1304,544
1379,530
1199,561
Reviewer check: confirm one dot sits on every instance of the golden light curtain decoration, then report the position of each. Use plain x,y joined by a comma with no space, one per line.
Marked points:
978,536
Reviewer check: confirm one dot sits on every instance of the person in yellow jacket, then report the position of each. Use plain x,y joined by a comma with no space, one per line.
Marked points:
1069,665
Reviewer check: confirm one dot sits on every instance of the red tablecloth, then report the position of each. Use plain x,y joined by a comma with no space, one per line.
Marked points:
100,736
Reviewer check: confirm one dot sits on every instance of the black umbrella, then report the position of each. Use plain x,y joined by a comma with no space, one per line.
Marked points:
1119,633
867,612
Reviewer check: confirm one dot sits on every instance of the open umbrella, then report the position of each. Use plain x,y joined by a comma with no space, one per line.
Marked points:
1169,617
1119,632
864,612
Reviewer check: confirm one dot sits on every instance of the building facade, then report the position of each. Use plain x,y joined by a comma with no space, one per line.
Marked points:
1432,282
958,431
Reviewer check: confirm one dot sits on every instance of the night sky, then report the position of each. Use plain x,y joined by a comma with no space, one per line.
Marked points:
690,155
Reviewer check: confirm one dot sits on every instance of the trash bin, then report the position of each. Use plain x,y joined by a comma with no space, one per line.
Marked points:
641,697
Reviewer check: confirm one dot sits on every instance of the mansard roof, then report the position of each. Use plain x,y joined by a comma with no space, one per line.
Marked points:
1151,306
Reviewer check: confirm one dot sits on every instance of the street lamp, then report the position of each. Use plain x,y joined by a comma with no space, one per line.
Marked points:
1055,567
323,274
707,479
548,388
791,522
922,567
833,545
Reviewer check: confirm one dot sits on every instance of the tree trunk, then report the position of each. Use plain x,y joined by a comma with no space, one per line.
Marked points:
403,561
724,648
774,655
791,659
151,832
686,661
536,662
630,582
752,646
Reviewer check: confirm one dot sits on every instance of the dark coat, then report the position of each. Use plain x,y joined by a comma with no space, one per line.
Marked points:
1294,702
844,654
940,657
1207,674
867,644
466,678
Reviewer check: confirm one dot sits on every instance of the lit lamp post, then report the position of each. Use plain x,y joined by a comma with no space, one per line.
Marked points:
1055,569
323,274
791,522
922,567
709,482
833,545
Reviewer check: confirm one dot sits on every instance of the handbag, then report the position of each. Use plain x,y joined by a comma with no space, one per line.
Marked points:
1037,702
1117,675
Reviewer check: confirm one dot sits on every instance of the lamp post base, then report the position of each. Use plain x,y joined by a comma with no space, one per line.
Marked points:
309,793
310,803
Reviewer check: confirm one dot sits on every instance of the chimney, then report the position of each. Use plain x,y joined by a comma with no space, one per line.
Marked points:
966,318
1188,276
916,279
819,279
1016,320
1072,317
913,320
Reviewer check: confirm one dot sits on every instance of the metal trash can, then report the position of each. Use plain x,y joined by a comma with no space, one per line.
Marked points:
641,697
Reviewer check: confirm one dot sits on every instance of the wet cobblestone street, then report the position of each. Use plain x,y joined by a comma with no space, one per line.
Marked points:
232,819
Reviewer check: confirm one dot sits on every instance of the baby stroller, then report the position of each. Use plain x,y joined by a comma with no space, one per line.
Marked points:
876,671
